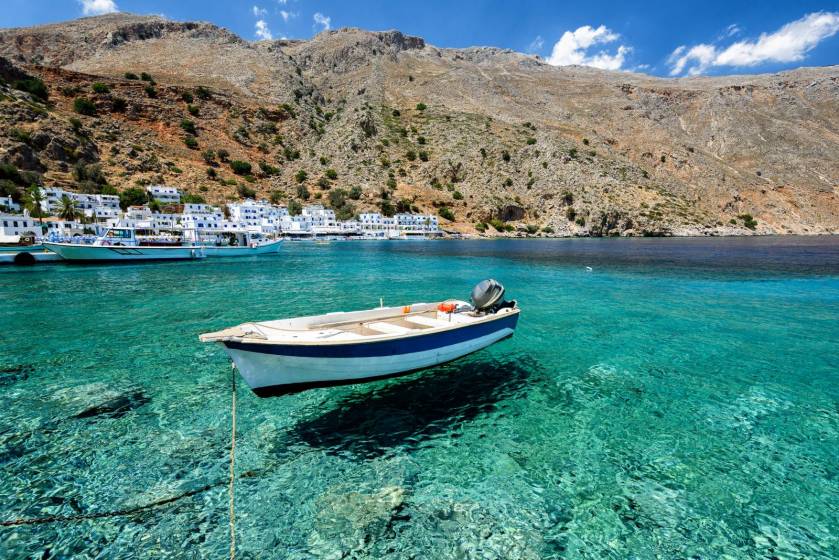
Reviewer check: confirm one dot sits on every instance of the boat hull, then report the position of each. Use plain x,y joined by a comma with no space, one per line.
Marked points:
264,249
277,369
114,253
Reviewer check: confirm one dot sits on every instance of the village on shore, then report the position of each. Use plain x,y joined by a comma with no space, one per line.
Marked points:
64,215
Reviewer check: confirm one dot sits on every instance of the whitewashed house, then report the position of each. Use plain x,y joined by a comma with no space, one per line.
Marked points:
164,194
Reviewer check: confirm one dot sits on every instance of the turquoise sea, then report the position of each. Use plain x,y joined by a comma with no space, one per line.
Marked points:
678,400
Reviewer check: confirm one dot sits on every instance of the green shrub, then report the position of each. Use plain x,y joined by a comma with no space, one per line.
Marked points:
580,221
301,176
396,113
531,141
294,207
457,195
481,227
421,140
188,126
303,192
189,198
663,158
146,77
240,167
276,197
572,153
445,212
99,87
131,76
84,106
410,155
150,91
585,142
191,142
748,221
567,197
33,86
245,191
331,174
324,183
132,196
187,97
119,105
423,155
203,93
531,229
386,208
212,173
223,155
421,107
570,213
20,135
497,224
209,156
268,169
193,110
547,229
505,155
508,182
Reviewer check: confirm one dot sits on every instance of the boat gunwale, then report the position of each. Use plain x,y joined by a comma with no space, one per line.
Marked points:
366,340
92,246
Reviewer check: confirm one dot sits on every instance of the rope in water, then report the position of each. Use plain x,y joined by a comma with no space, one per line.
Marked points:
230,487
165,501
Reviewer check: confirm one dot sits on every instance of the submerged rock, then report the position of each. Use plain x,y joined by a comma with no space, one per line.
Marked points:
13,374
353,521
99,399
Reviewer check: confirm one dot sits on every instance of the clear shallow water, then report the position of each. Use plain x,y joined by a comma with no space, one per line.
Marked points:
681,400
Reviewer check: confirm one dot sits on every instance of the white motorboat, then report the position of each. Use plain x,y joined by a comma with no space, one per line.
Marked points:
235,243
122,244
291,355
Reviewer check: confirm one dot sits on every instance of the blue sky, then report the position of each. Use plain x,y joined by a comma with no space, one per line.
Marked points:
662,38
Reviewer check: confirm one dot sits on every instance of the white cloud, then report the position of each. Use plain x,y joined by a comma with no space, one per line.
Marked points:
573,46
259,12
536,44
282,2
98,7
322,20
790,43
287,15
262,31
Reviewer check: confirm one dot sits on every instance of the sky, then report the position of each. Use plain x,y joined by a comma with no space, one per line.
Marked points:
670,38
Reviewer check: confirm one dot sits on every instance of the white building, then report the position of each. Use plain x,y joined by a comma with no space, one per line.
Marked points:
164,194
258,216
416,224
9,204
88,204
19,224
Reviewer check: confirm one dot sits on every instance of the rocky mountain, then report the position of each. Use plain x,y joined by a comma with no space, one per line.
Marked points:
380,120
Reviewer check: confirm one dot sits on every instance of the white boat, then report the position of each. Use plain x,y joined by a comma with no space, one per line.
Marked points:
291,355
122,244
239,243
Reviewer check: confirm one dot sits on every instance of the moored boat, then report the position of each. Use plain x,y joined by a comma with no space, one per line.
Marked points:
121,244
239,243
291,355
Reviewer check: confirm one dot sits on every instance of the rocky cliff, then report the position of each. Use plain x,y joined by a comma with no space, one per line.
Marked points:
362,120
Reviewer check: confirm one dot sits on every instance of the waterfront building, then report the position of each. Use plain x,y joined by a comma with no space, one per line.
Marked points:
8,204
19,224
164,194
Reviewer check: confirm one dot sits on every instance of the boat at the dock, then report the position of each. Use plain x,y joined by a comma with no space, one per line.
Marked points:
291,355
122,244
237,243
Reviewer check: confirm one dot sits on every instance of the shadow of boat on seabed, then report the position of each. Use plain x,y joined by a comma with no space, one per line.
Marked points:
405,414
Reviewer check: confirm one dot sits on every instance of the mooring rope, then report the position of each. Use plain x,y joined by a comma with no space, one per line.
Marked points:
230,486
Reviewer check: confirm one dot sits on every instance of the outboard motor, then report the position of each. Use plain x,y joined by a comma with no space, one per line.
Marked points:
488,297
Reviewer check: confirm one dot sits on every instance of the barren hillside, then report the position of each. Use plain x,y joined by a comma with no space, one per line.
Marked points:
480,134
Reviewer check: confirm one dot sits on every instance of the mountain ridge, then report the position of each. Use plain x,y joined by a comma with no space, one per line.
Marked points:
501,136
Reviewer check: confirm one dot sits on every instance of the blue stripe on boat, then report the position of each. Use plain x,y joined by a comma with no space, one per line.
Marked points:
418,343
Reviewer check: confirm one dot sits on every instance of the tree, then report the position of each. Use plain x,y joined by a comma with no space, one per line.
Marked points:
132,196
294,207
32,199
68,208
